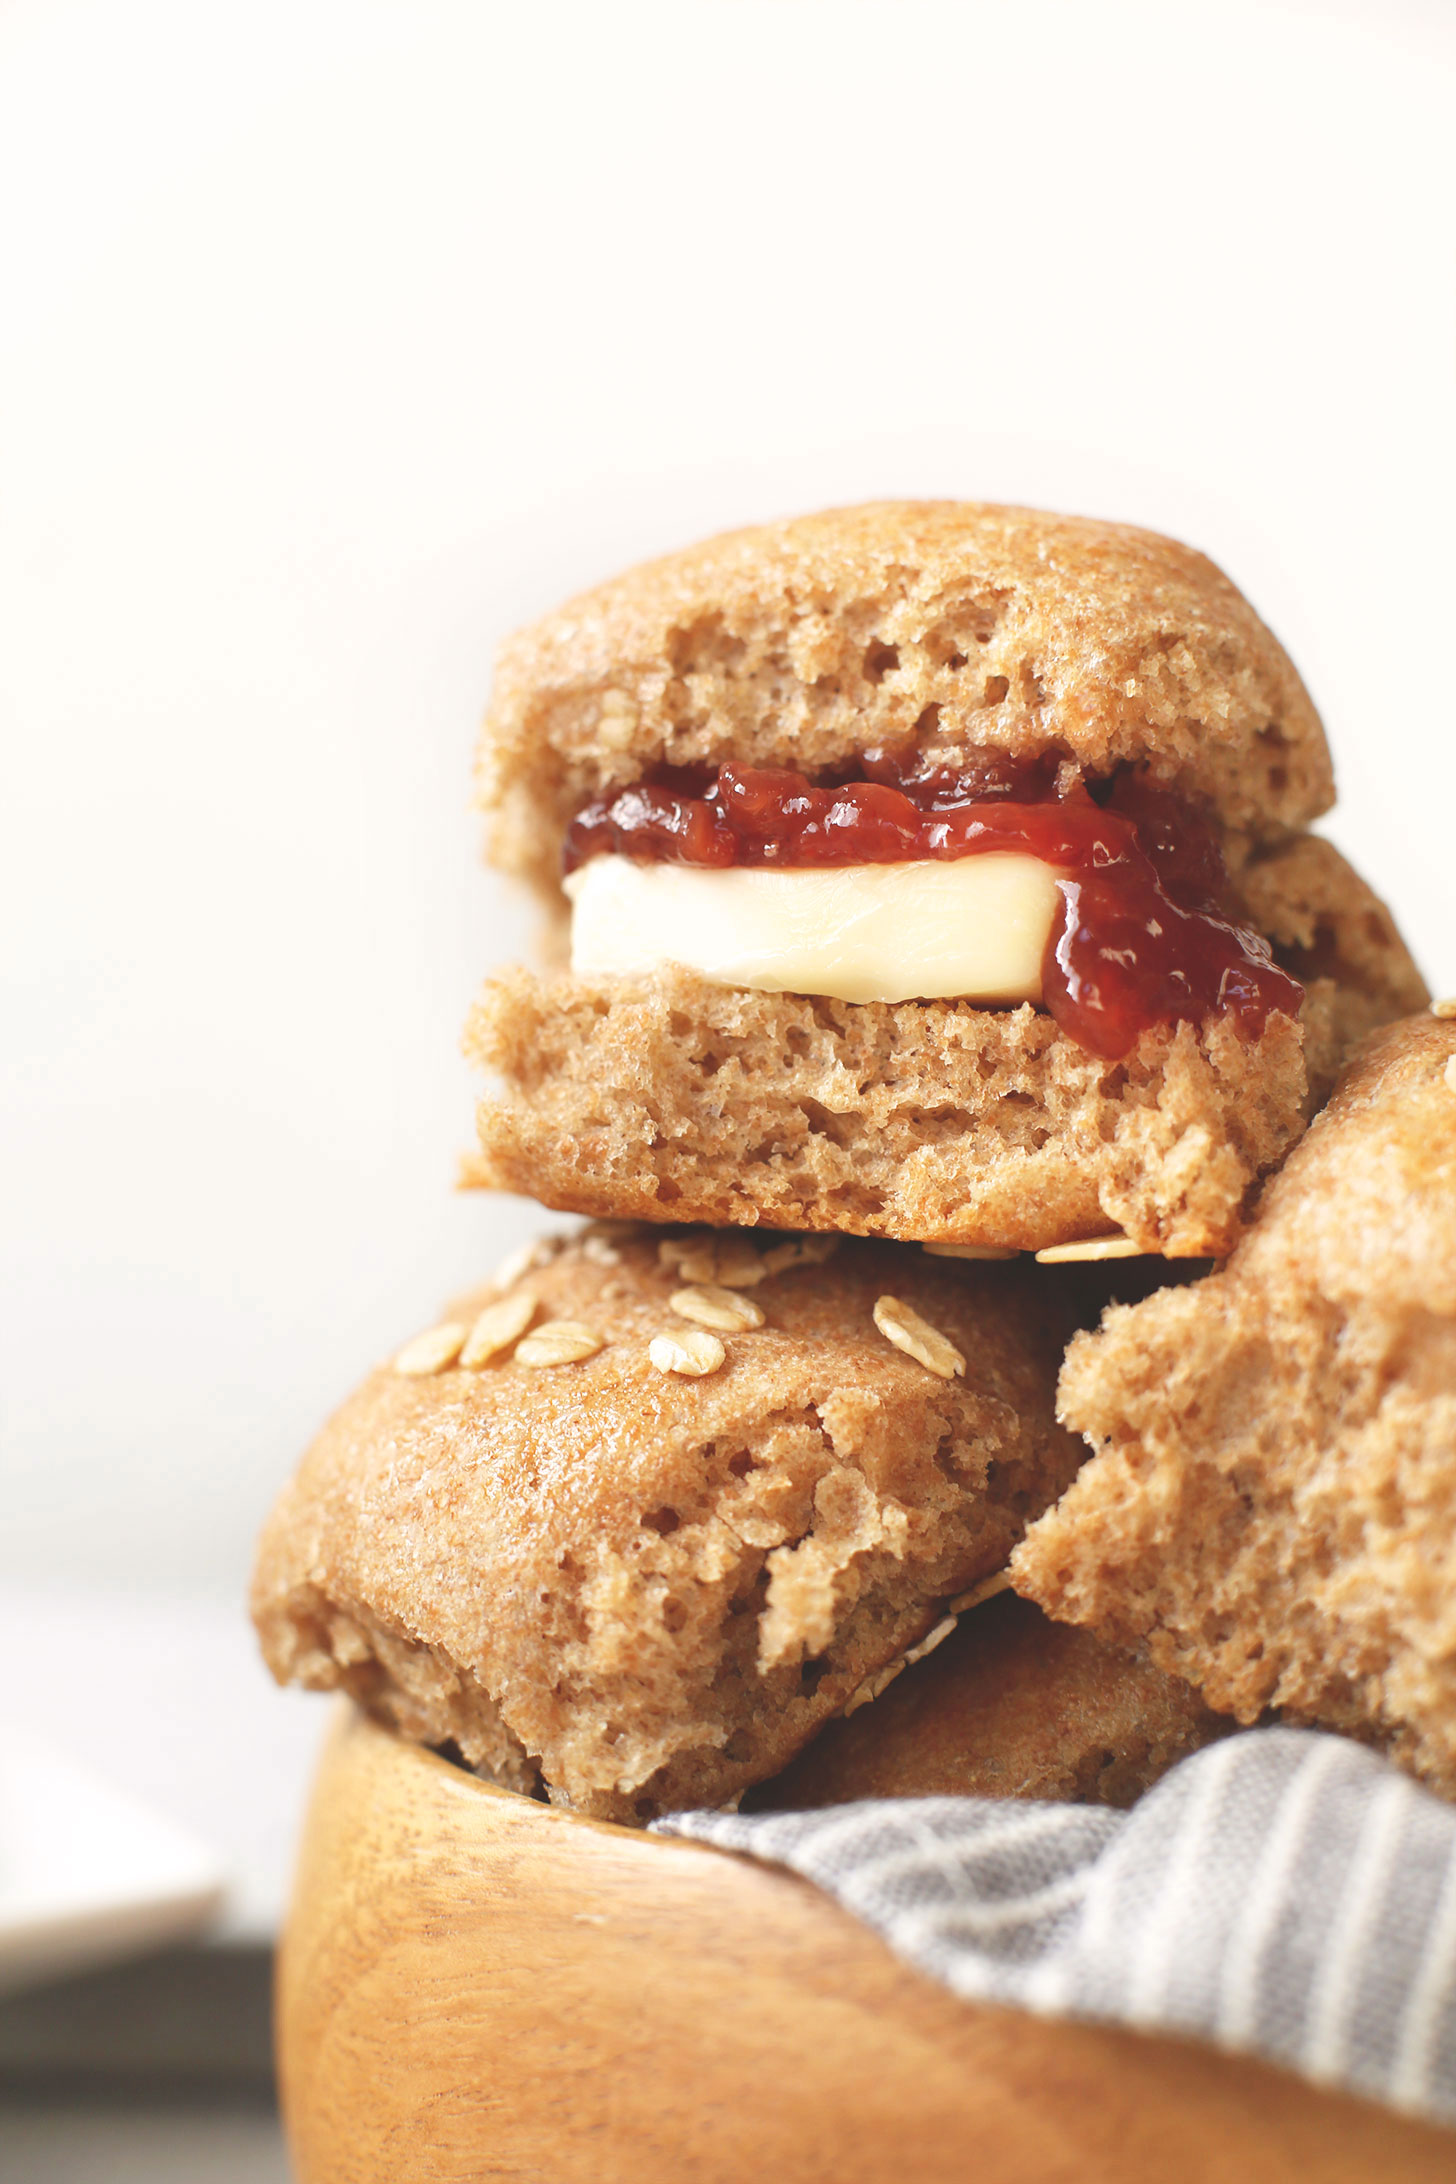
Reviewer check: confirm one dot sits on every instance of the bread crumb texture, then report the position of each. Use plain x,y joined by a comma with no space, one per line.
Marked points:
950,625
1010,1705
673,1099
649,1589
1272,1503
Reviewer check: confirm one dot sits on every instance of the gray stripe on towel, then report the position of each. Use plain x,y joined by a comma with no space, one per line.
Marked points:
1281,1893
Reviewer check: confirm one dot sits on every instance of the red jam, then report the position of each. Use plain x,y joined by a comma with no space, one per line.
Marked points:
1145,937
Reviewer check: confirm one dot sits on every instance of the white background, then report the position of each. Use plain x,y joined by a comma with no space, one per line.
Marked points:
338,338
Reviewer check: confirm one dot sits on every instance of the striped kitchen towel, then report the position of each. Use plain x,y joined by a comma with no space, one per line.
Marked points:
1282,1893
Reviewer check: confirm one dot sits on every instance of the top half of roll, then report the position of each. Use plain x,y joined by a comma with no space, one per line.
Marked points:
943,628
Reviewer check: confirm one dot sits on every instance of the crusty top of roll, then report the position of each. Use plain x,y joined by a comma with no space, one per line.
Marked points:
954,623
627,1568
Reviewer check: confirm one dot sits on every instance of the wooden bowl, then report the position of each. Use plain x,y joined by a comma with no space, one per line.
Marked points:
473,1986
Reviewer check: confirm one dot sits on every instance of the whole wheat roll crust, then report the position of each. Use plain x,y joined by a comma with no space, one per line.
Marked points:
649,1590
1010,1704
1333,932
1271,1507
953,625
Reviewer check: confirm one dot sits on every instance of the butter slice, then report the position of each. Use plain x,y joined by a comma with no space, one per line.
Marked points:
975,928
